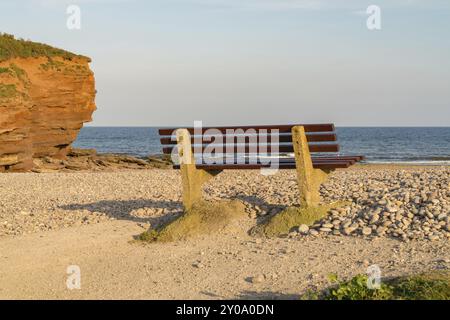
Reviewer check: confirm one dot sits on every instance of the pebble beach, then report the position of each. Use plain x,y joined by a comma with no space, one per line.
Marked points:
405,203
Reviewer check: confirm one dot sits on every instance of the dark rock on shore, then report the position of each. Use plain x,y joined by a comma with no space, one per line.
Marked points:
90,160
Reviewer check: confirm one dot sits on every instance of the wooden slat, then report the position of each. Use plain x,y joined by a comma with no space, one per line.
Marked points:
321,137
328,127
315,160
327,158
331,165
286,165
268,149
339,157
352,159
281,149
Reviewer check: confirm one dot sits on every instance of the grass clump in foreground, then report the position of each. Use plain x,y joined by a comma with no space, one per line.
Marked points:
431,286
292,217
203,218
19,48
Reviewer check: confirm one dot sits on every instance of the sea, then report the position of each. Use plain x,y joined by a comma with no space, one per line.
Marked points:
409,145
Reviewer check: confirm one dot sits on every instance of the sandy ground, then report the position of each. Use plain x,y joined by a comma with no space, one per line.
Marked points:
113,267
215,267
230,264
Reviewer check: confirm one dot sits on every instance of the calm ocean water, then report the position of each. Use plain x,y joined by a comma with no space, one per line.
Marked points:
383,145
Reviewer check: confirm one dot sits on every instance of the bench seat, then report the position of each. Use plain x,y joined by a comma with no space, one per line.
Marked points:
284,163
313,146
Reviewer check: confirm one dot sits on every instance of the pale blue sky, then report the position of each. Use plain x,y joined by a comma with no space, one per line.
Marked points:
170,62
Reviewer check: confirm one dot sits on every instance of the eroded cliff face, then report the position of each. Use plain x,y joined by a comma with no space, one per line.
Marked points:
43,105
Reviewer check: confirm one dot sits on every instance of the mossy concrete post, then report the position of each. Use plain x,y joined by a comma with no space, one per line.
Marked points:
308,178
191,177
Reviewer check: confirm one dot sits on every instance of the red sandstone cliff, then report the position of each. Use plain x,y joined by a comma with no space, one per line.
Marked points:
44,102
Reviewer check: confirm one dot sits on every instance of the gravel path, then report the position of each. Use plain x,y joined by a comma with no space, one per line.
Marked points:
229,265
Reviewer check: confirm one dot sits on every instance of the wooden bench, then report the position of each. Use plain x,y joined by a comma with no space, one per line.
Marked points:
246,147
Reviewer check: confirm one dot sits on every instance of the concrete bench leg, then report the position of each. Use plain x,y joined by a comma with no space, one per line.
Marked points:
308,178
191,177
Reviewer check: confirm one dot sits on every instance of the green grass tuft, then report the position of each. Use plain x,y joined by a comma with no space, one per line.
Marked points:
53,65
7,90
19,48
432,286
5,70
149,236
18,71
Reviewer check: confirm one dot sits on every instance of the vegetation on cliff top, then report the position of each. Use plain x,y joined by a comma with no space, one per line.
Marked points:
19,48
7,90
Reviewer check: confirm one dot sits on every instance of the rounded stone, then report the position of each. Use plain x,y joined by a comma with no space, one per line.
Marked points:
303,228
367,231
257,279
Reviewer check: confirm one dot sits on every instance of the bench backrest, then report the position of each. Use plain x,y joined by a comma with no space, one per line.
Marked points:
254,139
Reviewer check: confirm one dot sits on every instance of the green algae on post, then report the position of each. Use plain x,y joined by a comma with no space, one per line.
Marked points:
203,217
291,217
